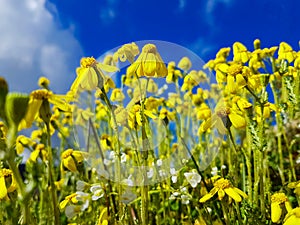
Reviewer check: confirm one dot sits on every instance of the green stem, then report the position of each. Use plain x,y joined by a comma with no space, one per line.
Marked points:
51,178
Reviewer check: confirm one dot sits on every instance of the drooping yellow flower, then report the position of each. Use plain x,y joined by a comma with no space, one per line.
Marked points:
293,217
71,159
126,52
167,115
173,72
106,142
149,63
185,64
286,52
277,202
117,95
135,116
203,112
44,82
240,53
296,186
190,81
7,182
22,142
39,151
223,186
68,199
36,100
268,108
221,57
90,75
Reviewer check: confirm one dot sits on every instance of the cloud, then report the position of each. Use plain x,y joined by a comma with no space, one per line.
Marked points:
211,5
33,45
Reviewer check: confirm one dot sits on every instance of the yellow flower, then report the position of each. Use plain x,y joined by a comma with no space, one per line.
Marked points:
286,52
90,75
68,199
185,64
190,81
106,142
152,103
226,115
36,100
277,201
135,116
166,115
203,112
117,95
44,82
126,52
22,142
240,53
293,217
38,151
71,159
223,186
7,182
268,108
149,63
295,185
173,72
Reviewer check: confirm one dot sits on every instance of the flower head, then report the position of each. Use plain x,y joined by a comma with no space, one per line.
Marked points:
7,182
71,159
277,202
149,63
293,217
223,186
193,178
126,52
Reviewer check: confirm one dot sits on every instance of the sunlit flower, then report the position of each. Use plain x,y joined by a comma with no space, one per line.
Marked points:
23,142
185,64
117,95
97,191
106,142
277,202
7,182
135,116
90,75
72,210
223,186
190,81
126,52
293,217
71,159
149,63
286,52
240,53
39,151
193,178
44,82
296,186
173,72
203,112
167,115
35,105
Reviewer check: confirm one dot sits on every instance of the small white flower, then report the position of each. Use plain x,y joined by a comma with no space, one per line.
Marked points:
162,173
123,158
128,181
223,167
72,210
214,171
185,199
193,178
107,162
128,196
83,197
81,185
174,175
159,162
150,173
97,191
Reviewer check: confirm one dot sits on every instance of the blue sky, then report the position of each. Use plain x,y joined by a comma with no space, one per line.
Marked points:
48,37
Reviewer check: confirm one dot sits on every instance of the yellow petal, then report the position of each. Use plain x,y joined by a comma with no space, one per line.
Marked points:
34,155
107,68
240,192
241,82
70,164
63,204
221,194
233,194
292,220
3,190
208,195
88,79
238,121
149,65
275,212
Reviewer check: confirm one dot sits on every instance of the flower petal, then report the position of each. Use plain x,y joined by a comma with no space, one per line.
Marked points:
275,212
208,195
233,194
3,190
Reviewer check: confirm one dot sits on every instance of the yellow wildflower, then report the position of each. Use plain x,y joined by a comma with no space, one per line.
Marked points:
293,217
126,52
190,81
36,99
68,199
7,182
117,95
277,201
203,112
286,52
149,63
240,53
295,185
185,64
166,115
173,72
22,142
106,142
39,151
90,75
223,186
71,159
135,116
44,82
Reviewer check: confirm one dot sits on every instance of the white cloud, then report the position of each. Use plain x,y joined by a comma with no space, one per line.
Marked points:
210,7
32,45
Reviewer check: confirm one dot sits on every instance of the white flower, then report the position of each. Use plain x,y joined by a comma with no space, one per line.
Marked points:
128,196
128,181
193,178
214,171
174,175
223,167
185,199
159,162
81,185
83,197
150,172
123,158
97,191
72,210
